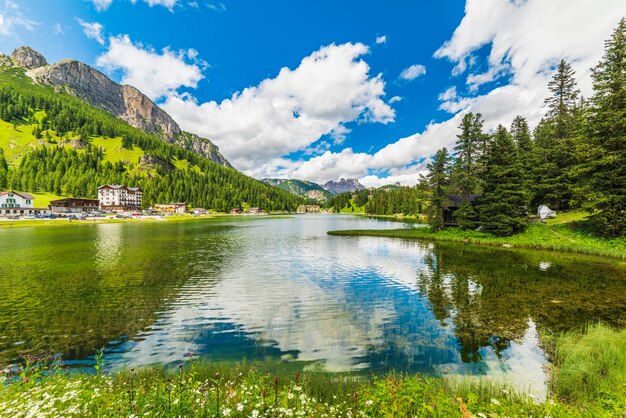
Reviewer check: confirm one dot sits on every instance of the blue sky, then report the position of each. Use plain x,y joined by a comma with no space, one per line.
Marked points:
326,89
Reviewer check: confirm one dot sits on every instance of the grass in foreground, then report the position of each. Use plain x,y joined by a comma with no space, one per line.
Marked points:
570,236
590,381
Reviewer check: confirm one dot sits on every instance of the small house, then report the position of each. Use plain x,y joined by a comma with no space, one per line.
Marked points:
308,209
255,211
455,201
178,208
18,203
236,211
73,205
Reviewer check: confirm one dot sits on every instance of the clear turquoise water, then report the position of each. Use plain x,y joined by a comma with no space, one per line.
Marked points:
282,289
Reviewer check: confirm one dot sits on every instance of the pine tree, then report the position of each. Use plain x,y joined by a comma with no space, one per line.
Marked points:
437,180
605,163
503,199
555,140
469,165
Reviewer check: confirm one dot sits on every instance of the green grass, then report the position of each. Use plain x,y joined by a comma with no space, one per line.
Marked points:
113,150
279,389
17,140
591,365
43,199
569,233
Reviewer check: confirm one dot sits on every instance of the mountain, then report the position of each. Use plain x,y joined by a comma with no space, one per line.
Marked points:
343,186
54,141
122,101
302,188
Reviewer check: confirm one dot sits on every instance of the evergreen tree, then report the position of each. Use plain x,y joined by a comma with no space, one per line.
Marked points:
438,180
605,162
503,199
469,165
555,139
520,132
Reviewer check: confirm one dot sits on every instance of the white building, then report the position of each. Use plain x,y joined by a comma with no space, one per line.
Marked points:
14,203
119,198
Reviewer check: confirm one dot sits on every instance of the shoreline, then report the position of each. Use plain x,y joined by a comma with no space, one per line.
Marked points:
65,222
579,386
557,238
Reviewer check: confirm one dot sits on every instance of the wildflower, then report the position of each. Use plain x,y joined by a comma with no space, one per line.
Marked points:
255,414
297,388
369,403
239,407
226,412
495,402
481,415
290,395
506,392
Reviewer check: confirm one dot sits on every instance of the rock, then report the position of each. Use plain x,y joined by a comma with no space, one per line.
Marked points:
28,58
153,161
122,101
343,186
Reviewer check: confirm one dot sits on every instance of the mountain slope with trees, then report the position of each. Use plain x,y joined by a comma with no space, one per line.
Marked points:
62,151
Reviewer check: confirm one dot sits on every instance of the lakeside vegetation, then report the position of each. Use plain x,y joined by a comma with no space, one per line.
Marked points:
588,380
570,232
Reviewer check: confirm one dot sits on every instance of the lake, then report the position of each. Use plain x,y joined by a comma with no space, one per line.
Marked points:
282,289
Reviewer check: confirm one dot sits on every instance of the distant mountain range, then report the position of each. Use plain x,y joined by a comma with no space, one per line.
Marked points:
302,188
343,186
311,190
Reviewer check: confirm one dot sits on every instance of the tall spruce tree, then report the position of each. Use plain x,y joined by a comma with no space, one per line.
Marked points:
555,140
501,205
520,132
605,163
438,181
470,150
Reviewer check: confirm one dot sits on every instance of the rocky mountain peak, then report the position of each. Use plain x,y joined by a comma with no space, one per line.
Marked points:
123,101
27,57
343,186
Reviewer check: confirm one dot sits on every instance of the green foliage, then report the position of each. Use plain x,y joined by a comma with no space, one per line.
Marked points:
4,170
212,389
408,201
470,149
590,366
603,171
502,204
437,181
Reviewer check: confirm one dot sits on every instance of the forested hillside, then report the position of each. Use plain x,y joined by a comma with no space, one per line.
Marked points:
54,142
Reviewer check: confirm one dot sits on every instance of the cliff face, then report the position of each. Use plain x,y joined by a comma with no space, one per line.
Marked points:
26,57
125,102
343,186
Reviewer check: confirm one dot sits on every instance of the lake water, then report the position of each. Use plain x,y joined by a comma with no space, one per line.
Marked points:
281,288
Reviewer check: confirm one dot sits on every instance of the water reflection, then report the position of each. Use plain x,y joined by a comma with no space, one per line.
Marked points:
282,288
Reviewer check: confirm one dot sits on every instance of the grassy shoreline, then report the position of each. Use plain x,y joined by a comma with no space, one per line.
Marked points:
566,236
588,380
28,223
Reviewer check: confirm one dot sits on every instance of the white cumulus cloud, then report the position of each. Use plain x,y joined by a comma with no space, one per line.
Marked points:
412,72
290,112
526,40
381,39
155,73
92,30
